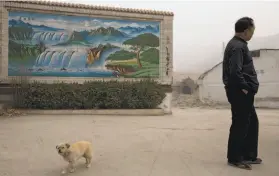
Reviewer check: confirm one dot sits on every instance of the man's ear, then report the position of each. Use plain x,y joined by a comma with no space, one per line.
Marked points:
67,145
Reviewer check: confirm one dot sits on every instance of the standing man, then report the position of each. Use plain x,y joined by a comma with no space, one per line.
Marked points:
241,85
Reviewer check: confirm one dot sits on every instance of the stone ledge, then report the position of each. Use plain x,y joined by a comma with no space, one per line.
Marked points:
114,112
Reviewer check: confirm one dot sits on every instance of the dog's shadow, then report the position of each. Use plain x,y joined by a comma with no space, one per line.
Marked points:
80,168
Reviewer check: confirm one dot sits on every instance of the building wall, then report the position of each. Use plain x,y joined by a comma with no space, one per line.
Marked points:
76,43
211,87
267,67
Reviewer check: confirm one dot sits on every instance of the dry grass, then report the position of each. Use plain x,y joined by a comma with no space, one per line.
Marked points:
10,112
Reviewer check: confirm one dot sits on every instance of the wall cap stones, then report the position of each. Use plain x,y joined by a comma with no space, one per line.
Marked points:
94,7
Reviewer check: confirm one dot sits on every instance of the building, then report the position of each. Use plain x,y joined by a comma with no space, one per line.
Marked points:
266,63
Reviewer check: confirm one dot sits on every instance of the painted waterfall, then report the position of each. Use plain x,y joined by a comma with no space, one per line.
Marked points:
71,46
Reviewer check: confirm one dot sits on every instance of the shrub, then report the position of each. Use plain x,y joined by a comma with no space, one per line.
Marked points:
145,94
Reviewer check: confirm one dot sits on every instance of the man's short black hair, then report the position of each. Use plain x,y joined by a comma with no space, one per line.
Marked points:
243,23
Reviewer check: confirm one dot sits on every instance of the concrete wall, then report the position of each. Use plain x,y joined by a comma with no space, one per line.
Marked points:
211,87
28,32
267,67
31,11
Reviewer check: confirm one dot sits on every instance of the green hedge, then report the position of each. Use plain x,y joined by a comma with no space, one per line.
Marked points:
90,95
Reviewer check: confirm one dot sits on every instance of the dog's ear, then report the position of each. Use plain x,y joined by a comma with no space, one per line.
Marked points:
67,145
57,147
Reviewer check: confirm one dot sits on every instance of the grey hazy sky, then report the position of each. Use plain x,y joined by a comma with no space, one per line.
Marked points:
201,27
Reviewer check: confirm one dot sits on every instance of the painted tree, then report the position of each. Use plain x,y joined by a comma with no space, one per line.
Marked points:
141,43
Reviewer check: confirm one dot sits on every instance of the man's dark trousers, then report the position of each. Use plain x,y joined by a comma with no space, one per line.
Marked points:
244,131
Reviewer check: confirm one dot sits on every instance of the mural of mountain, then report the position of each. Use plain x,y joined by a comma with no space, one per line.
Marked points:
20,23
139,30
110,31
106,34
78,46
79,36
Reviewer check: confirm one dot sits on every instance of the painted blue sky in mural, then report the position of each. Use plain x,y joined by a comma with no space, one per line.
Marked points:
78,23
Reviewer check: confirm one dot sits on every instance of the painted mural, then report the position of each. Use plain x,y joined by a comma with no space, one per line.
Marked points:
72,46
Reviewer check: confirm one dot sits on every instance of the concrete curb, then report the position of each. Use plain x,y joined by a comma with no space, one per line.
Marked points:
114,112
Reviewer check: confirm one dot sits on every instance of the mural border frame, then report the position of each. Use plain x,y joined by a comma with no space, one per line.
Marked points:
165,33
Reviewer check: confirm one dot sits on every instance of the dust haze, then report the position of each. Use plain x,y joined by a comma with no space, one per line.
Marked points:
200,28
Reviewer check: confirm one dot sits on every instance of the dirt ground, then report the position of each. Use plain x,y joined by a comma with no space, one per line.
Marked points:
191,142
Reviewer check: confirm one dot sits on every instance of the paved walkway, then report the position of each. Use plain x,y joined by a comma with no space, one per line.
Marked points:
191,142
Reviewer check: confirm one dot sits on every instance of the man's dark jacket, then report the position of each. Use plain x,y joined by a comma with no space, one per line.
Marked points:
238,67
